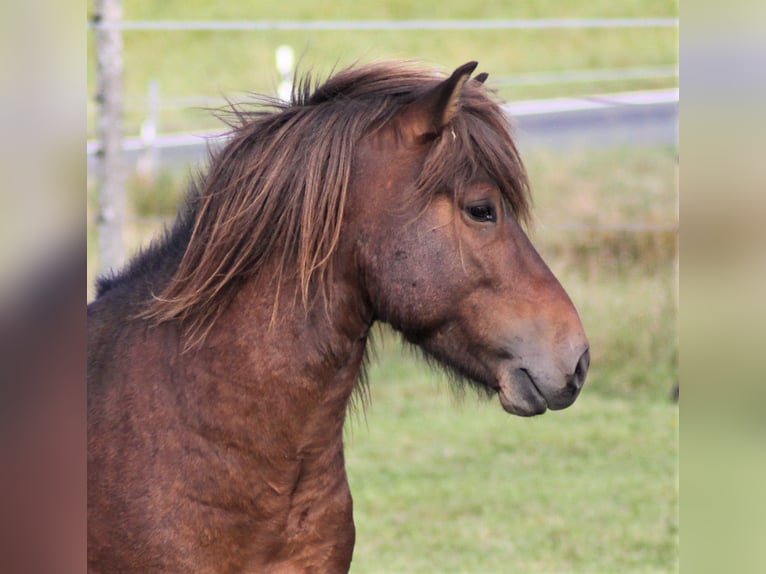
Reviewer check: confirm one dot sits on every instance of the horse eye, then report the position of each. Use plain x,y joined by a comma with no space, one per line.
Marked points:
482,213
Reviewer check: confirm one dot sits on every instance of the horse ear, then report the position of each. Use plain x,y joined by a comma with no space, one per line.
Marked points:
426,117
481,78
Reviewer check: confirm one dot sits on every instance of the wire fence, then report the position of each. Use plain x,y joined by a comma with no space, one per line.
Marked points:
154,102
382,25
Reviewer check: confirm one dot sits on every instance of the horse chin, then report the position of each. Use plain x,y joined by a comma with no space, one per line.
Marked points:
519,395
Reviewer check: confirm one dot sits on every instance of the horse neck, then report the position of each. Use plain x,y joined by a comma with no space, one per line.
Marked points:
280,387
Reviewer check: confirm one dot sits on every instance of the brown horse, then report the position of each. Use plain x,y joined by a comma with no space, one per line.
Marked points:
223,359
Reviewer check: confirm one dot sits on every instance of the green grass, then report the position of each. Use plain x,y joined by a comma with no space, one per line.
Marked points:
614,187
211,64
447,486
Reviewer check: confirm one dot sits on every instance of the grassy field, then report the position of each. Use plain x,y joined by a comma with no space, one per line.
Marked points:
442,485
193,66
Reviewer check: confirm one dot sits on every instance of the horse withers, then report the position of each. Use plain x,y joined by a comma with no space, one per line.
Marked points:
223,358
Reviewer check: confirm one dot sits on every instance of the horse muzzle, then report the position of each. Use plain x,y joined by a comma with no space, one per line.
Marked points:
530,390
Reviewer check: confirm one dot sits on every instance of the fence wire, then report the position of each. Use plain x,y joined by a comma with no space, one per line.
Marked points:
391,25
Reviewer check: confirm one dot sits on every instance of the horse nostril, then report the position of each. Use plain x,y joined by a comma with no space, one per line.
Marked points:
577,380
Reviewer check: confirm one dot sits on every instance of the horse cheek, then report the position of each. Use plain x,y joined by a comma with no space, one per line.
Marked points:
425,281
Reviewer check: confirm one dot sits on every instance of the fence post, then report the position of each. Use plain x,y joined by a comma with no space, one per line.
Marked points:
109,99
148,161
285,57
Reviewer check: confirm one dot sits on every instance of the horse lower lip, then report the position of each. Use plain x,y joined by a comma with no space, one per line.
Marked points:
527,400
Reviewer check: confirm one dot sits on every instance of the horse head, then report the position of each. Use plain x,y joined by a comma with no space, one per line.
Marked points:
437,205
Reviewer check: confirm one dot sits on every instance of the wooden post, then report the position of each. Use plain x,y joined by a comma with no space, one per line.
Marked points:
111,175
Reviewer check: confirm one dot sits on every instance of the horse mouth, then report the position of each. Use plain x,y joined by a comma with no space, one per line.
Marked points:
519,395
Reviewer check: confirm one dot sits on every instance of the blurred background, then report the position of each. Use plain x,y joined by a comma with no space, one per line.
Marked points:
445,482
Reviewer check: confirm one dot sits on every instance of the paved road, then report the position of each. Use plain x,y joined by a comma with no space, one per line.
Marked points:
633,119
620,120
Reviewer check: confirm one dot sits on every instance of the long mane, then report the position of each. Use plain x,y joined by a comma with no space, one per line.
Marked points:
275,196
